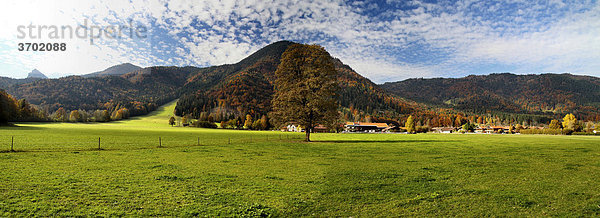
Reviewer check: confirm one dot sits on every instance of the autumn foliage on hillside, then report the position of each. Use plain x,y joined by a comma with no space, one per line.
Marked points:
551,95
230,93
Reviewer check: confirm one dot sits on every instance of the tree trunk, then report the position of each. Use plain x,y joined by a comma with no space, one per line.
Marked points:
310,126
307,135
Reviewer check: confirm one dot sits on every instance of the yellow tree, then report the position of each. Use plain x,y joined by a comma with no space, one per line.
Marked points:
248,122
554,124
458,121
569,122
264,122
410,124
61,114
75,116
184,119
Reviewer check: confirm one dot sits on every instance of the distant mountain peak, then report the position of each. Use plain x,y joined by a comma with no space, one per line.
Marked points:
116,70
36,74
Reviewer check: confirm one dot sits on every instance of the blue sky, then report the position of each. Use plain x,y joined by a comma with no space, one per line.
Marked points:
382,40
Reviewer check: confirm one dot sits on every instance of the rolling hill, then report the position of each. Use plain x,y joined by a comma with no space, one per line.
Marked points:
549,94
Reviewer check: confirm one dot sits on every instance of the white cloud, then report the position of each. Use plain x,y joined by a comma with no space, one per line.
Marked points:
571,44
425,40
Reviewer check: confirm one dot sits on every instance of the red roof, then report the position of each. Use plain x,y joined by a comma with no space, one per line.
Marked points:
379,125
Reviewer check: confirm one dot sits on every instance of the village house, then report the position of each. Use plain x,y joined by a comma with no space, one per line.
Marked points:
366,127
443,129
498,129
484,129
292,127
320,129
491,129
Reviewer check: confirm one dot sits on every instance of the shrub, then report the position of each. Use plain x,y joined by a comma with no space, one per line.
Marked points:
204,124
542,131
469,127
422,129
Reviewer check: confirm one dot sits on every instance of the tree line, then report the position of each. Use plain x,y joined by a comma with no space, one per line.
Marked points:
13,110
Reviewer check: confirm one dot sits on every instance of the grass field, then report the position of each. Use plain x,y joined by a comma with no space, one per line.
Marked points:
58,171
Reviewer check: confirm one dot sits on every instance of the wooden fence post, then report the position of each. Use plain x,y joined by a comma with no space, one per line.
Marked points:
198,141
99,143
12,142
159,142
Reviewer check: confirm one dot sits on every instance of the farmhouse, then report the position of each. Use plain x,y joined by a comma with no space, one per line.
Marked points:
366,127
292,127
320,129
500,128
484,129
444,129
491,129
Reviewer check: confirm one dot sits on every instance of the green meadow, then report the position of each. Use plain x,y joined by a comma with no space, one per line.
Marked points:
57,170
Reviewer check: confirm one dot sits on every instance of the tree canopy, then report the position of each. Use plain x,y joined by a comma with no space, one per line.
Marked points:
305,87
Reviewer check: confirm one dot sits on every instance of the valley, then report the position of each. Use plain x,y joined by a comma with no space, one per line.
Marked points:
57,170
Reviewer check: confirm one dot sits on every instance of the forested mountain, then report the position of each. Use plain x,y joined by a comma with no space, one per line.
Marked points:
138,91
232,91
226,91
116,70
247,88
5,82
545,94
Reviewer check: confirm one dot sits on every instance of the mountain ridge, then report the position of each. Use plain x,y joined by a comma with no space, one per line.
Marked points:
115,70
35,73
246,87
507,92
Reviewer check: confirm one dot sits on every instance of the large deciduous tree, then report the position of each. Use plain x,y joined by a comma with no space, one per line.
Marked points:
305,87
